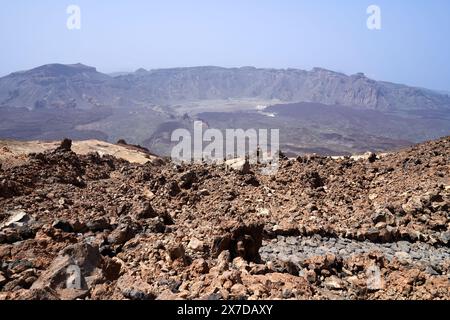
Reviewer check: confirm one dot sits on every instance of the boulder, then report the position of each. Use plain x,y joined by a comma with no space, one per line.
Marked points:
143,210
313,179
238,291
176,252
62,225
122,234
66,145
187,179
17,218
98,224
242,241
413,205
199,266
72,273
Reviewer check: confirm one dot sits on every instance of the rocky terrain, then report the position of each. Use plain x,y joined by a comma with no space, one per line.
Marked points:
86,226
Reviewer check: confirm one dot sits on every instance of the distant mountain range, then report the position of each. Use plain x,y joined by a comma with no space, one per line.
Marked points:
80,86
317,111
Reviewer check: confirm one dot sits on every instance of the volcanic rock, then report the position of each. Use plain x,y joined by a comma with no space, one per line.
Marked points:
97,227
72,272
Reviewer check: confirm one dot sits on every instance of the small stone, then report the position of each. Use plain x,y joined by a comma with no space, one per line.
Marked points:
98,224
135,294
187,179
176,252
310,276
223,261
379,216
403,257
413,205
239,263
245,167
238,290
310,207
370,156
62,225
334,283
386,234
214,296
371,234
196,244
78,226
121,234
203,192
413,235
148,194
287,293
372,196
263,212
200,266
144,211
445,237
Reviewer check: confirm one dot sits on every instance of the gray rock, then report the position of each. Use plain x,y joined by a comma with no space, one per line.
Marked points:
445,237
98,224
72,272
17,218
403,257
403,246
135,294
430,270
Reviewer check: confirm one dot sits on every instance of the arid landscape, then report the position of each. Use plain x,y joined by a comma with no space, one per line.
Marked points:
224,159
367,227
358,209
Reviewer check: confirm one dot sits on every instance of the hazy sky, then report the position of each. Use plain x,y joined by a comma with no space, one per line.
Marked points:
413,46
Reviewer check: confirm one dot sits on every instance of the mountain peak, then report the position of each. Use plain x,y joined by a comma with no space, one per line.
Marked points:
141,70
326,71
56,69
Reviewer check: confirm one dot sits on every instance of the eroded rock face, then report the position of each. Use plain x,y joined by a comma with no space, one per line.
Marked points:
96,227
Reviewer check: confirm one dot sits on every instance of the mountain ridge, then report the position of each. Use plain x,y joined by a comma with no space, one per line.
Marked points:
82,86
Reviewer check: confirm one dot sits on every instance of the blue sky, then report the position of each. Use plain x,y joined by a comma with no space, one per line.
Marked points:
412,47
